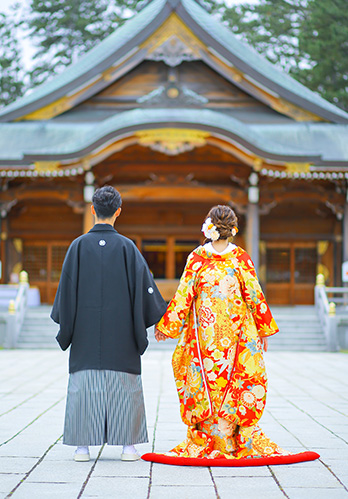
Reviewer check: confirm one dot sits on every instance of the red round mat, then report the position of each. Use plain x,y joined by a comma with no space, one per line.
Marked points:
245,461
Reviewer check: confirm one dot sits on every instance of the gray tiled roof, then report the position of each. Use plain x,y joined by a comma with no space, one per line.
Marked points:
93,57
252,58
98,59
48,138
330,141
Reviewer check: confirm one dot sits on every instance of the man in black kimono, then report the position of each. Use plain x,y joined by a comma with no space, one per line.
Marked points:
105,301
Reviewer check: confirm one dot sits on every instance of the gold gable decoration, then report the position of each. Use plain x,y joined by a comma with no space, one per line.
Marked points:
49,111
173,42
245,82
299,114
298,167
46,166
172,141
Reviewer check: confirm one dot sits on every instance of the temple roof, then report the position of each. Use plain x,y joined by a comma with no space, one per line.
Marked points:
319,144
125,48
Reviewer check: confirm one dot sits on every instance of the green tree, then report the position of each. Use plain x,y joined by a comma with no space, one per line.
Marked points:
324,38
11,73
213,6
307,38
272,27
63,30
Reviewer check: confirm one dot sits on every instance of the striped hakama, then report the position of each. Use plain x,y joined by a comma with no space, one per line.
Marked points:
104,407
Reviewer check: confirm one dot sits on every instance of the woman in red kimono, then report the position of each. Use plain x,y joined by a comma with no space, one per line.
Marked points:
222,320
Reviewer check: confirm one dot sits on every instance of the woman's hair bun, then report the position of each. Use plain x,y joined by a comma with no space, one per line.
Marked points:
224,219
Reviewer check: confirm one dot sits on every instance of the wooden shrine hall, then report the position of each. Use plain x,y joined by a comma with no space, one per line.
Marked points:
177,114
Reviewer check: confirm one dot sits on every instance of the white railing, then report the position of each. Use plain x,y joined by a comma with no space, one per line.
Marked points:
332,311
16,312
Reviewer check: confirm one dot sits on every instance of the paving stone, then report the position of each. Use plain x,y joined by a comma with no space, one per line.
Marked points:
16,464
248,488
113,468
182,492
295,417
177,475
59,471
45,490
343,478
117,487
305,477
315,493
251,471
8,481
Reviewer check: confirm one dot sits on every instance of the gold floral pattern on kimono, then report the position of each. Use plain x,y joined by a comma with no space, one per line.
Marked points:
219,311
218,438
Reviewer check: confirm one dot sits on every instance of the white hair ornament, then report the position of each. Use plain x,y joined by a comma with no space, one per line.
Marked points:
209,230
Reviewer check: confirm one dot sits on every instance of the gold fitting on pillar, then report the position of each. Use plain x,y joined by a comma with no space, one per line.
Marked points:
320,281
12,307
332,308
23,277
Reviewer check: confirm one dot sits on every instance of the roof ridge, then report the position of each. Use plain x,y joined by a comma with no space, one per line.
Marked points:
245,55
87,63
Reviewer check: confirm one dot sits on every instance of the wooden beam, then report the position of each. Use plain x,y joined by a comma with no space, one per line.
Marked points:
178,193
282,195
37,194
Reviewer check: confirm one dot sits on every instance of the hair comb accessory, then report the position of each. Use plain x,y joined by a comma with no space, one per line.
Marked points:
234,231
209,230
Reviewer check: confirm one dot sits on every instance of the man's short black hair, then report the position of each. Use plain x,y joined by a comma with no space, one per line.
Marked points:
106,201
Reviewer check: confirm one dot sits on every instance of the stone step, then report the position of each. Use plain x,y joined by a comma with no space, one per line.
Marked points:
319,341
288,328
39,327
300,330
294,348
35,346
292,320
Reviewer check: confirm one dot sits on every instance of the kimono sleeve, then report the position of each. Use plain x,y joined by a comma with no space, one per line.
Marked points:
148,304
255,299
64,306
173,321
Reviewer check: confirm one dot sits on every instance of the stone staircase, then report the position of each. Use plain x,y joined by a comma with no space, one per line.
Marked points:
299,330
38,331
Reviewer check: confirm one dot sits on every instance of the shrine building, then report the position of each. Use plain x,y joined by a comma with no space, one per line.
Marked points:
179,115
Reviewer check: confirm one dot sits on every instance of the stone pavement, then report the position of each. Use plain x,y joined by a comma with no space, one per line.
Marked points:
307,409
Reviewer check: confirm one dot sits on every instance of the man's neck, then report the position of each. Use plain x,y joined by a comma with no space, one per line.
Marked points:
108,221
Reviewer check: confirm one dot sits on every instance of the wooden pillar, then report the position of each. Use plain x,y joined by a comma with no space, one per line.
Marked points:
88,191
88,218
345,232
253,220
3,247
170,261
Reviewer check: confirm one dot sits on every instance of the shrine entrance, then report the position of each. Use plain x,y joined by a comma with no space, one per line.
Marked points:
291,269
43,261
166,257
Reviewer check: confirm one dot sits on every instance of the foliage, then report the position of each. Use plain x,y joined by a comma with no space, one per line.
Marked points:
324,37
65,29
11,75
307,38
